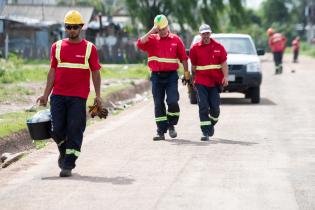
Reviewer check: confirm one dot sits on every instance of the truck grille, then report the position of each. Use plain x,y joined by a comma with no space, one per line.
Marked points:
237,67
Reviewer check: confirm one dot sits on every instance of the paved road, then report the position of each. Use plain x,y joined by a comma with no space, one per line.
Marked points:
261,157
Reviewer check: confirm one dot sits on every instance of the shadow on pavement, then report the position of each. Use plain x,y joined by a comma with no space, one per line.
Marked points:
97,179
244,101
226,141
207,143
189,142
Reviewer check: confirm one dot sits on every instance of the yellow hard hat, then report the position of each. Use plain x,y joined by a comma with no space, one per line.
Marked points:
73,17
160,21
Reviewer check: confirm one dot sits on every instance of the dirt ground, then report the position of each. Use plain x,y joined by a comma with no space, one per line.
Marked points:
21,140
19,102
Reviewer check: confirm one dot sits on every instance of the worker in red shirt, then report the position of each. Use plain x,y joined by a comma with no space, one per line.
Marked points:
208,60
72,60
277,44
164,50
296,48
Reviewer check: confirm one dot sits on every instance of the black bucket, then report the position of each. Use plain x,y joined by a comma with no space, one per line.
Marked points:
39,130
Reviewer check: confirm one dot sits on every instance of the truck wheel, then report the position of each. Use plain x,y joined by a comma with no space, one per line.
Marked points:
255,95
193,97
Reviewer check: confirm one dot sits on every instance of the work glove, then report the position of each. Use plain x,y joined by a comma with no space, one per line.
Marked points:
99,111
186,78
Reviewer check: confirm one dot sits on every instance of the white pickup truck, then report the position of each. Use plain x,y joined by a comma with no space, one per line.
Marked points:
245,74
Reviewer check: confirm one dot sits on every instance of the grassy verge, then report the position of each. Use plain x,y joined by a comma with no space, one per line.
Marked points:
125,71
107,91
16,70
14,92
13,122
307,49
16,121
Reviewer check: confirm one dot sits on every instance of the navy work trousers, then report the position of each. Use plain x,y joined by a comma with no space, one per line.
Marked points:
68,124
277,57
209,107
165,84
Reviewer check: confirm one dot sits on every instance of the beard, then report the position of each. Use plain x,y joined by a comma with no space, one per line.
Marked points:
75,36
206,40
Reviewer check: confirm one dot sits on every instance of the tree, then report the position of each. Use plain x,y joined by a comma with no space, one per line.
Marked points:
276,11
192,12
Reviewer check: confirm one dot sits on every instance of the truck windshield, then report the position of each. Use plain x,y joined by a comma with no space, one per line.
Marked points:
236,45
233,45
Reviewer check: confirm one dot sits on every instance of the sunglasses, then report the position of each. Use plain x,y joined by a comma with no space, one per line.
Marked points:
74,27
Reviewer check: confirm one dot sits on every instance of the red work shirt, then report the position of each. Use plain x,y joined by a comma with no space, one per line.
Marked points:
277,42
296,45
163,53
73,81
204,55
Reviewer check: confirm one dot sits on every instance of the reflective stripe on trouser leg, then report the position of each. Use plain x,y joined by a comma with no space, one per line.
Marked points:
173,114
58,122
277,56
73,152
158,92
205,127
203,104
76,122
214,116
172,99
214,104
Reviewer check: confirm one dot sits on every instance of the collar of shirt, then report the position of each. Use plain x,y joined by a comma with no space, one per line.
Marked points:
210,43
169,35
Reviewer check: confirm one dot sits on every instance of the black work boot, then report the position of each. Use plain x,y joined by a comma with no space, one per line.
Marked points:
60,160
211,132
159,136
62,153
172,132
65,173
205,137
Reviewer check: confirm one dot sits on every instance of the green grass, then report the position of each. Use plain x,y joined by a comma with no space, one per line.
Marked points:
125,71
14,72
36,62
16,121
13,122
106,92
307,49
14,93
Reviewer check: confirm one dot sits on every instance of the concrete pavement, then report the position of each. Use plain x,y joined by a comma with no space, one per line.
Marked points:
261,157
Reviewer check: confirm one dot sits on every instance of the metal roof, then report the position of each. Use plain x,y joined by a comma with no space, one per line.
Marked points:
46,13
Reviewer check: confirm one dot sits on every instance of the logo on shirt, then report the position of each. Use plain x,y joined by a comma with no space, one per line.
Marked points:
79,56
217,51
